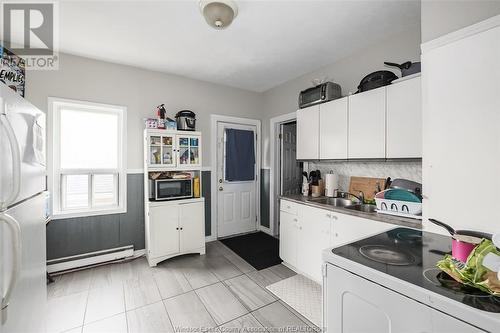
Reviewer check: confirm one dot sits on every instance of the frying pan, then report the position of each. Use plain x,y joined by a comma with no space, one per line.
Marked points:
464,241
407,68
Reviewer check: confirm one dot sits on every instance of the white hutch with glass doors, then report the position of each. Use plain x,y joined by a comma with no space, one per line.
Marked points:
174,226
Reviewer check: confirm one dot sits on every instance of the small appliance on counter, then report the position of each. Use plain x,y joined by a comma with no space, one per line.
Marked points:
186,120
407,68
321,93
376,80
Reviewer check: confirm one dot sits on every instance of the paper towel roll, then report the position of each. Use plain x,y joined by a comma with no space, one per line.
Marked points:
331,184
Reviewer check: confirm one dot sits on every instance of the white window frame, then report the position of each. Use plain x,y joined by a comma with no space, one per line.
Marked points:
54,170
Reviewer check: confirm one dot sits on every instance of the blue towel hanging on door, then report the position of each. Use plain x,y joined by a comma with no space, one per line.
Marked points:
240,155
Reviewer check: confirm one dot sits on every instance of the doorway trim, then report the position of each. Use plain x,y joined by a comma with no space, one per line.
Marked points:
274,143
214,120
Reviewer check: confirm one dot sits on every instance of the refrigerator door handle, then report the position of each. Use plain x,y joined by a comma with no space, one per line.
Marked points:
15,230
16,158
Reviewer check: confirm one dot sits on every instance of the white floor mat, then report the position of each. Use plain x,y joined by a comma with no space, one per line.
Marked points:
302,294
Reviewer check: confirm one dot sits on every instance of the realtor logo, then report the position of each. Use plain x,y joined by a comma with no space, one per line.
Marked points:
29,30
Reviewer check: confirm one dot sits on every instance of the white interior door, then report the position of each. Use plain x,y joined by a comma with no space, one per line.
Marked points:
236,200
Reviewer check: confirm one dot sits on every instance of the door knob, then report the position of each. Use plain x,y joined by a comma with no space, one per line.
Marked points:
220,188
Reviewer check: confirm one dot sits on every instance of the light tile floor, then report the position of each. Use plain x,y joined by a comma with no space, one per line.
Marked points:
217,292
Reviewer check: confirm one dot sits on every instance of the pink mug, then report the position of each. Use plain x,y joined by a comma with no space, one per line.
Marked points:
460,250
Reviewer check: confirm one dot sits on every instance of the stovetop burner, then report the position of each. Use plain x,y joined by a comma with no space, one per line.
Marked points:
411,255
409,236
387,255
473,297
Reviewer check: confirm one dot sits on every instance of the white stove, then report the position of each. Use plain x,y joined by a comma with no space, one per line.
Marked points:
389,283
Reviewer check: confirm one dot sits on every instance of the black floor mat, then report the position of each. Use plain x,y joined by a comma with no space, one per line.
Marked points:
258,249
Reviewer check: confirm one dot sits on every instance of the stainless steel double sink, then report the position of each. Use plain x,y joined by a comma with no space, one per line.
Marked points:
346,203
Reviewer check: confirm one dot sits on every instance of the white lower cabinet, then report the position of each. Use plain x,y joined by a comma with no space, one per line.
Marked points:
306,231
174,228
164,234
192,232
288,237
315,235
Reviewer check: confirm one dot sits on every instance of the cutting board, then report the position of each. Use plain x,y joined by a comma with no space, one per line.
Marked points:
369,186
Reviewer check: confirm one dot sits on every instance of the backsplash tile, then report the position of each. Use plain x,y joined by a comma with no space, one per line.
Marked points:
411,170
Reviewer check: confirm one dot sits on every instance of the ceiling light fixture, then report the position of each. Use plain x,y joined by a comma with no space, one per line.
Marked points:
219,13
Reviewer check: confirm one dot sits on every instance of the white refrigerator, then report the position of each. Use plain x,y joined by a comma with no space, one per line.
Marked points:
23,214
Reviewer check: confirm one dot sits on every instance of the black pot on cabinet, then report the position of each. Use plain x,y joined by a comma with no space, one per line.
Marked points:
186,120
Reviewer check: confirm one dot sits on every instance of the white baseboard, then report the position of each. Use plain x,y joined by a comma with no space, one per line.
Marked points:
93,258
210,238
266,230
139,253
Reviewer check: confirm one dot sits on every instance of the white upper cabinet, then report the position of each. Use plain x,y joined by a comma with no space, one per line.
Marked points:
367,124
333,129
308,133
161,150
167,150
404,119
188,151
381,123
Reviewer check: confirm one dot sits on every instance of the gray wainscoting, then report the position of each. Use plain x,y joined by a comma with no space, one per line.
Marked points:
264,197
74,236
68,237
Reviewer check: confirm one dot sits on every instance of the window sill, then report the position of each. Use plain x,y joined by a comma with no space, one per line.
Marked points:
87,213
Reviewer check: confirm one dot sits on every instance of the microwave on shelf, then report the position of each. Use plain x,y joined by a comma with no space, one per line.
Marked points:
170,189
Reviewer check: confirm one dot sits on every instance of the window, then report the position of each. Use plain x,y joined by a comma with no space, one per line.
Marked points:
87,157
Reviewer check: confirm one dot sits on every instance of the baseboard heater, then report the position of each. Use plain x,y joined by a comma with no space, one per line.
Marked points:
89,259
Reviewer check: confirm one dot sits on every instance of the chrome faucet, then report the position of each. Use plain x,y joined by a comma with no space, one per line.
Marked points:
360,197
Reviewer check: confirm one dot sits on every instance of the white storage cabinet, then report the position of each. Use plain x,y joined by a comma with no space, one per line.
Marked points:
174,228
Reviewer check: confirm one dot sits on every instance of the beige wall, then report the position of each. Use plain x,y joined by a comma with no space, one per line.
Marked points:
140,91
347,72
444,16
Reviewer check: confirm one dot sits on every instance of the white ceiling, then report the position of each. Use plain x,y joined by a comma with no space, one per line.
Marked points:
269,42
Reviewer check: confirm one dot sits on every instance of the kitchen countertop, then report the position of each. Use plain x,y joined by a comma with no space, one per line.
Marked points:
402,221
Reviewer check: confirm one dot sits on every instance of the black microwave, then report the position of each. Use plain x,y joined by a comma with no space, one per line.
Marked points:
170,189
